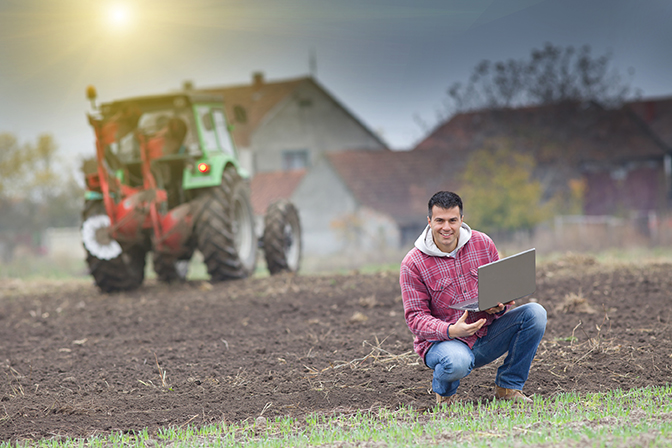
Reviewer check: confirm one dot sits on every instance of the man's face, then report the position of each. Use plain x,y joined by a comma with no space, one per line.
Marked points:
445,225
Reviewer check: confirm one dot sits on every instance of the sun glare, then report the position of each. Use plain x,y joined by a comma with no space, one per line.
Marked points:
119,15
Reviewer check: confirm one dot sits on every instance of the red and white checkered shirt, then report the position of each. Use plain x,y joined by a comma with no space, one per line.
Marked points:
429,284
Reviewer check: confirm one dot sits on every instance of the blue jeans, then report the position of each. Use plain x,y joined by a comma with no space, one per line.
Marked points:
517,332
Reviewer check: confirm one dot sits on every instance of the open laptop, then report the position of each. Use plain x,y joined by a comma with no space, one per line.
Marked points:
503,281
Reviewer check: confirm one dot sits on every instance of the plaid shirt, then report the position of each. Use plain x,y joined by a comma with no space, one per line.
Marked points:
430,284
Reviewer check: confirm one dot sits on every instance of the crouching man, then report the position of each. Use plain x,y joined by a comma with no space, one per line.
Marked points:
441,271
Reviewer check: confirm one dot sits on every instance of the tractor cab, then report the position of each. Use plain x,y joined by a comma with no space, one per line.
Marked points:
184,137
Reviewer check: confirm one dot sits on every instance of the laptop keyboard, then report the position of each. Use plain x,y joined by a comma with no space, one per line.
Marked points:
471,307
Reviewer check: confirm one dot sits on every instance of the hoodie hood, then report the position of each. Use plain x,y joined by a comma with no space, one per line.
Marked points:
425,242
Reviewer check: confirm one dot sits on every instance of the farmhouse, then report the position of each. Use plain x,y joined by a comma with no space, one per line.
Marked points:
622,155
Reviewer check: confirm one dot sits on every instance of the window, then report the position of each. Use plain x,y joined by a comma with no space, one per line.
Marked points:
223,131
214,130
294,159
207,126
305,102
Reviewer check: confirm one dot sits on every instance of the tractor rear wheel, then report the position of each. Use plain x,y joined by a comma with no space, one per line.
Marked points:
282,237
224,229
113,268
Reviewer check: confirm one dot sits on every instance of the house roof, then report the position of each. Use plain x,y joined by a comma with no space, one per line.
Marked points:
270,186
656,115
562,134
397,183
260,97
256,99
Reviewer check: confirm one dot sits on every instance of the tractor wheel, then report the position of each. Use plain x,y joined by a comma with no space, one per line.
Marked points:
170,268
282,237
224,229
113,268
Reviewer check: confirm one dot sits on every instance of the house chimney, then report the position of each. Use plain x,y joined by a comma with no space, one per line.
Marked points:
188,85
257,80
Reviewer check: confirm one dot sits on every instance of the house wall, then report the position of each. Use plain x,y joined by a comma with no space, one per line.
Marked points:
379,232
246,159
333,222
626,190
307,120
321,199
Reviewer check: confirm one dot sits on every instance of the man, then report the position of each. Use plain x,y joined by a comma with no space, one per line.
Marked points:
441,270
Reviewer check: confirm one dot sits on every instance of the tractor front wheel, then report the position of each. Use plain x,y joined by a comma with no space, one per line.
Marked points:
113,267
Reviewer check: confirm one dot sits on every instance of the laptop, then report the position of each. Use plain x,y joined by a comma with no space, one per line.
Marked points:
503,281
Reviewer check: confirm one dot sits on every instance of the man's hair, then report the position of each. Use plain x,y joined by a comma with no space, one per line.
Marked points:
445,200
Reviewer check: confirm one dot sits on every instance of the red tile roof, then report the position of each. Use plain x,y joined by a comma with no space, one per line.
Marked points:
270,186
564,134
657,114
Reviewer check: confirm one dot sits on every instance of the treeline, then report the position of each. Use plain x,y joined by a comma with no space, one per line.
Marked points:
549,75
37,191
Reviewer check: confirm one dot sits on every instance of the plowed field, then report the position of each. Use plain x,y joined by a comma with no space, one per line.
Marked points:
76,362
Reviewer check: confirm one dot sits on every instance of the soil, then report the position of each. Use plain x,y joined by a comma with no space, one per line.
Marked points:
76,362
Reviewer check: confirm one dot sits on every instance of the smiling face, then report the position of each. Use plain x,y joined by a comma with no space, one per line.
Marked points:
445,225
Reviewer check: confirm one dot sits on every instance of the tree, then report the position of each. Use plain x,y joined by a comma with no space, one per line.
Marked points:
34,194
499,192
27,169
550,75
11,161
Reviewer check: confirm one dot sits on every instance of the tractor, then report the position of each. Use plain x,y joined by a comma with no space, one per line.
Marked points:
166,179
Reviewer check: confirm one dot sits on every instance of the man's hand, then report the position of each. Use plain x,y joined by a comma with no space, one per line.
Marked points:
499,308
461,329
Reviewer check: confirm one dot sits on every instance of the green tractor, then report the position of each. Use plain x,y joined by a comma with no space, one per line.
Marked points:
166,179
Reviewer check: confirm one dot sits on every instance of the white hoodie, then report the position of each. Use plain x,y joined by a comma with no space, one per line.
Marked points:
425,242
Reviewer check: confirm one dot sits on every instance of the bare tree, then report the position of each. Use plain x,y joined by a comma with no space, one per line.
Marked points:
550,75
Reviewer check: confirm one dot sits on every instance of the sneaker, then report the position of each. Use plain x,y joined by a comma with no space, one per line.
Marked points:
511,394
450,399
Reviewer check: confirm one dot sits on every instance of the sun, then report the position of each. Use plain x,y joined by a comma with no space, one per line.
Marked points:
119,15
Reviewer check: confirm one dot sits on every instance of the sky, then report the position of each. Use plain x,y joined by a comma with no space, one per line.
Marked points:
386,61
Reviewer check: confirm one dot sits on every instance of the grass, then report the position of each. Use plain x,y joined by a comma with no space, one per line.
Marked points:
619,255
31,267
639,417
636,254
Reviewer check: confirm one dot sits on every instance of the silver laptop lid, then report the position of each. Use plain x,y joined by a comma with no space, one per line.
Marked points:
507,279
